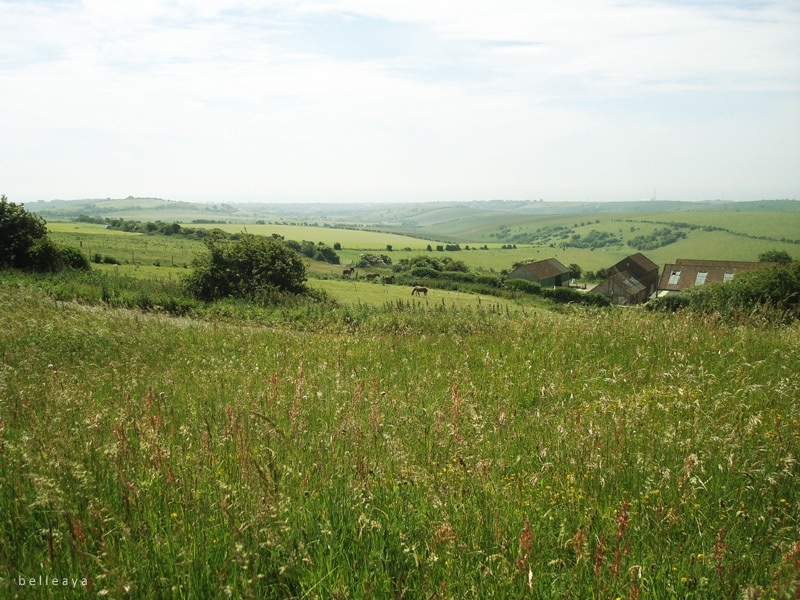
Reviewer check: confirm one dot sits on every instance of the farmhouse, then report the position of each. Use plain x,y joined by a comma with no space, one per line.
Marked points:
547,273
688,273
631,281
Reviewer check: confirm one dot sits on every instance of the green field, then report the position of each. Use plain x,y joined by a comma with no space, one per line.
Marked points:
378,294
750,228
349,238
413,450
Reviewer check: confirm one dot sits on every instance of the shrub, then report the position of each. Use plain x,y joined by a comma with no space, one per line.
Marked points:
670,303
20,231
458,276
45,255
24,243
775,288
424,273
490,280
74,258
369,259
251,267
779,256
326,254
565,295
523,285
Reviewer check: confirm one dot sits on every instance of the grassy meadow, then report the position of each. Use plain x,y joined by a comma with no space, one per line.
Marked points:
742,234
414,450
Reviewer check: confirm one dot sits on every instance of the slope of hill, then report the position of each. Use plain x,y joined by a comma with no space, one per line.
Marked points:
589,234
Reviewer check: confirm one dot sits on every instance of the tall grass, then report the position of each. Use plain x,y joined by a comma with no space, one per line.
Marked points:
401,452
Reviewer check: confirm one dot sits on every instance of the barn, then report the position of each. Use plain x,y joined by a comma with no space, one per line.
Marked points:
631,281
547,273
622,288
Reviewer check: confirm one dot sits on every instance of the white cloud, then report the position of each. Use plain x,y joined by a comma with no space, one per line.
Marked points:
357,99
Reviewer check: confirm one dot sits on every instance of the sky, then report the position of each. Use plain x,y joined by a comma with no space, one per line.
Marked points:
412,101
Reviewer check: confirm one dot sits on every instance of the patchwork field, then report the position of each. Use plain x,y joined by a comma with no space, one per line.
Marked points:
723,231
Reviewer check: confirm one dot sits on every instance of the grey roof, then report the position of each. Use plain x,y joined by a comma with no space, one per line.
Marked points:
627,282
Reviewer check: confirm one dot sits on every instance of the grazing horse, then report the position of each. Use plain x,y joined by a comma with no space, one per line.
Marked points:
420,289
348,272
388,279
371,276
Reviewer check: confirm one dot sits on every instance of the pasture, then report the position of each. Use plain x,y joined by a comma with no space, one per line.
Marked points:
747,230
413,451
377,294
133,250
350,238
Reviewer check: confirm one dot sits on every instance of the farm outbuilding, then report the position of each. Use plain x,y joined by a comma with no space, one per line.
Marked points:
547,273
688,273
622,288
631,281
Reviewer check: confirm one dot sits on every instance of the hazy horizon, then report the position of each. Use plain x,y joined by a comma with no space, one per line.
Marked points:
342,101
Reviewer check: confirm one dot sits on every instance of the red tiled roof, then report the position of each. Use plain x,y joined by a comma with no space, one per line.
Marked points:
687,273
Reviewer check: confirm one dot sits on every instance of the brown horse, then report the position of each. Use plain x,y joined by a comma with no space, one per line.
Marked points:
371,276
420,289
388,279
348,272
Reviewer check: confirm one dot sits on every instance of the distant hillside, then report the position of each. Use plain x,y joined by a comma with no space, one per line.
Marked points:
611,226
144,209
422,213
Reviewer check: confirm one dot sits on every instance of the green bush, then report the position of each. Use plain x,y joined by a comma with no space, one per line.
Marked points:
565,295
523,285
670,303
24,243
458,276
45,255
370,259
252,267
74,258
490,280
423,273
774,289
20,231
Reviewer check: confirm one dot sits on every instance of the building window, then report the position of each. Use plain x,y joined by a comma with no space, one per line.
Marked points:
673,278
701,278
727,277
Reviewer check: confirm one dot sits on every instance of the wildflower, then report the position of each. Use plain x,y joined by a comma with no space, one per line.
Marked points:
720,548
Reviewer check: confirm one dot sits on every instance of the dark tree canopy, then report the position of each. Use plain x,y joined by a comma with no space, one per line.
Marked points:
779,256
24,243
20,231
252,267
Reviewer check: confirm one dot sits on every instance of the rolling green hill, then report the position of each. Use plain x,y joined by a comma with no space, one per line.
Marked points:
592,235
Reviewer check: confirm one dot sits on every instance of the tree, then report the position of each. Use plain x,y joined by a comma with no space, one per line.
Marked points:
24,243
19,232
327,254
778,256
252,267
575,271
